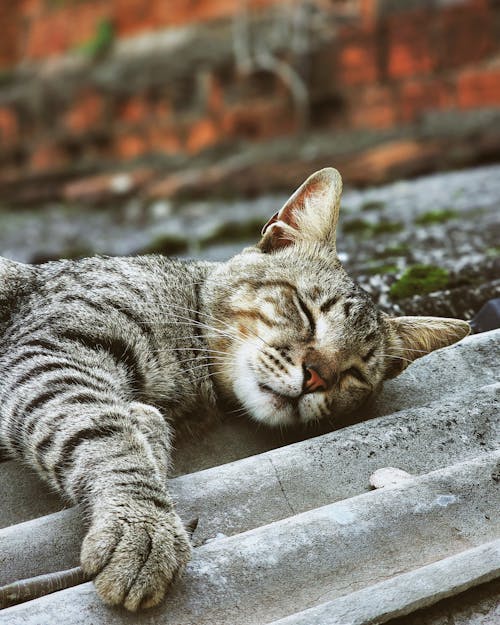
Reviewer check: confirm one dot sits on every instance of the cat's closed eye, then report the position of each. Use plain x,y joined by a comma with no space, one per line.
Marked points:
354,372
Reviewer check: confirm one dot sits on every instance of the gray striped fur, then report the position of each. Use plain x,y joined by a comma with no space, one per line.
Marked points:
102,359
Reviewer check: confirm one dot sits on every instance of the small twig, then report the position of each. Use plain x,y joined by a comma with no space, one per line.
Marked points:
34,587
41,585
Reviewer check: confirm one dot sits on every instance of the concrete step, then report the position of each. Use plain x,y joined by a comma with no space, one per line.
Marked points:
404,594
314,557
261,489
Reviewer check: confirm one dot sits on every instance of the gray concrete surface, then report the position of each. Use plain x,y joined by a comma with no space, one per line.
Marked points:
406,593
261,489
24,495
270,541
311,558
477,606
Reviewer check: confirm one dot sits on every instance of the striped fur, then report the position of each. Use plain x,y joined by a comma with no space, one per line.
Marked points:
101,359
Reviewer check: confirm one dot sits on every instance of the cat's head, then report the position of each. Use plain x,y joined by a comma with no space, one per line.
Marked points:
302,341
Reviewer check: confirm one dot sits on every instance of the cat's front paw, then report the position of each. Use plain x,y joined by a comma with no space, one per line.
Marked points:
135,551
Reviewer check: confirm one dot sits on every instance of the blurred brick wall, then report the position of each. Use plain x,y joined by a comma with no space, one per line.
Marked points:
381,65
47,28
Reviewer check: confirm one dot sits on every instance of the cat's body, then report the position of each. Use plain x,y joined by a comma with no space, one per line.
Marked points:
101,360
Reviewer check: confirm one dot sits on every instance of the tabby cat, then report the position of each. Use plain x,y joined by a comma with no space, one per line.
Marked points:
102,359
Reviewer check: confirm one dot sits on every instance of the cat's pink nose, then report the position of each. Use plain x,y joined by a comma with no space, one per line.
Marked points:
313,381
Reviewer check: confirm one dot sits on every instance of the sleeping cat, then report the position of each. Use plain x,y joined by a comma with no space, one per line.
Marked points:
102,359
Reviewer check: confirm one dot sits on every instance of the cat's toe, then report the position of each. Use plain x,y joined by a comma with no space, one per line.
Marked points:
136,556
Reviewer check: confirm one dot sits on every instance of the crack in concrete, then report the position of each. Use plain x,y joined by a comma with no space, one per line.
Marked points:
281,486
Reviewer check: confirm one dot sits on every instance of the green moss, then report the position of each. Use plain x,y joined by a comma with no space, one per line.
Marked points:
391,251
372,205
235,231
357,225
492,252
418,280
365,228
382,269
385,227
437,216
101,42
166,244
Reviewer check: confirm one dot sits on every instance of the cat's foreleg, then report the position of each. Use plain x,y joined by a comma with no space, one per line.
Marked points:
136,544
158,434
111,457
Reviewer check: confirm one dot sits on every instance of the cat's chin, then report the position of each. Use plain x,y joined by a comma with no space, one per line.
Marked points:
266,406
276,409
262,403
273,410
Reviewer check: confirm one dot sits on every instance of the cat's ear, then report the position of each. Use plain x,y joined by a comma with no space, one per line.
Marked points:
310,214
413,337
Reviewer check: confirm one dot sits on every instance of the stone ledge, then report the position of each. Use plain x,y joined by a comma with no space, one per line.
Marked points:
262,489
403,594
269,572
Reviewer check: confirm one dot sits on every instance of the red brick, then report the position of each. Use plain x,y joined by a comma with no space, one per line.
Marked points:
131,145
188,11
9,127
201,135
65,28
382,162
10,23
465,34
32,8
134,110
47,157
357,65
357,57
46,36
419,96
162,109
368,11
164,138
259,119
410,44
479,88
87,113
214,95
133,16
373,107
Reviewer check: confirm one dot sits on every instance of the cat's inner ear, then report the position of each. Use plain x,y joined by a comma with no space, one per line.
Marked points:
311,213
413,337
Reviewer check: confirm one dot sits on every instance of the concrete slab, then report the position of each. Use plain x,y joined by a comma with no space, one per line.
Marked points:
406,593
477,606
306,560
261,489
